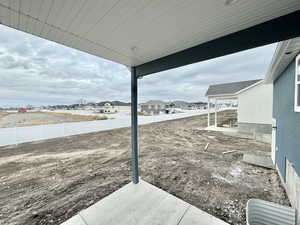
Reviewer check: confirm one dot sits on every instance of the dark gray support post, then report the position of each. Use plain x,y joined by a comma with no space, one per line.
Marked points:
134,127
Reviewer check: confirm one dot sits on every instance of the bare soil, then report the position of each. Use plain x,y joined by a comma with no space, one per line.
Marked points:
49,182
42,118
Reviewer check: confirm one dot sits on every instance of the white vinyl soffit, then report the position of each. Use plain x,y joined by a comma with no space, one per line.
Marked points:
133,32
285,53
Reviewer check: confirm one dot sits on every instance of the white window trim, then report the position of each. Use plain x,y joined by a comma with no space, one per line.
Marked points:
297,108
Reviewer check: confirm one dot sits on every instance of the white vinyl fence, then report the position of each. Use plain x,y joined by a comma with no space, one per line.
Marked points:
18,135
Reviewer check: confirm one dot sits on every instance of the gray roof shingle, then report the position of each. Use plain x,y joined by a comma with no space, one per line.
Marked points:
229,88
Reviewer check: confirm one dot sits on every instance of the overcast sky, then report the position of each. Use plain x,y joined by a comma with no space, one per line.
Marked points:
39,72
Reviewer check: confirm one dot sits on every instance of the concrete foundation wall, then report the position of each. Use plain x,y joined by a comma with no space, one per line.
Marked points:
291,185
260,132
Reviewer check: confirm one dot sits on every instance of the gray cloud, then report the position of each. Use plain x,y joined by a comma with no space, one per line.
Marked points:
191,82
39,72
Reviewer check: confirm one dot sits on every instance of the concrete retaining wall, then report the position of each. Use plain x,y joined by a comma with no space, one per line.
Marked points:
260,132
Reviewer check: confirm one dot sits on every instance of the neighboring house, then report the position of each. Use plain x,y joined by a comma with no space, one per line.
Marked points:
153,107
255,111
189,106
106,108
254,106
199,105
182,105
109,108
116,106
284,74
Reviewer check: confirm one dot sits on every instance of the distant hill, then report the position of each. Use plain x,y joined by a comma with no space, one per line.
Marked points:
89,104
199,103
155,102
115,103
176,102
180,102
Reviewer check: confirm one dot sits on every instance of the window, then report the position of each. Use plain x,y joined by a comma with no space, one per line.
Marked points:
297,85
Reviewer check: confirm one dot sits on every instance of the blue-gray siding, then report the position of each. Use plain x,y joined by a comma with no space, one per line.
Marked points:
288,121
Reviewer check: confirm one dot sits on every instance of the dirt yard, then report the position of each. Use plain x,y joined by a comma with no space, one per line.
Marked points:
49,182
41,118
3,113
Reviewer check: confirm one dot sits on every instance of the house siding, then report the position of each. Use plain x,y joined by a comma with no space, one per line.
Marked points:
288,121
255,105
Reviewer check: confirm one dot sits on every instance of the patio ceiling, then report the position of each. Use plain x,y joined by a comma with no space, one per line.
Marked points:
143,32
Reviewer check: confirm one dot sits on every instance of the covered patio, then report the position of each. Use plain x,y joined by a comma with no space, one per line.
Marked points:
149,37
224,92
215,100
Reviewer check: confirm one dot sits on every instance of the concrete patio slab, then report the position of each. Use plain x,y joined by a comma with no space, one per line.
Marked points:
75,220
258,160
222,129
142,204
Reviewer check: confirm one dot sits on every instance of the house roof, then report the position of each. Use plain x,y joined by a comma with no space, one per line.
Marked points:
285,52
230,88
135,33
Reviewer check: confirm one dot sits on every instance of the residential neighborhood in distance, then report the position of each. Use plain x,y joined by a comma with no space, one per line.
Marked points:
93,105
